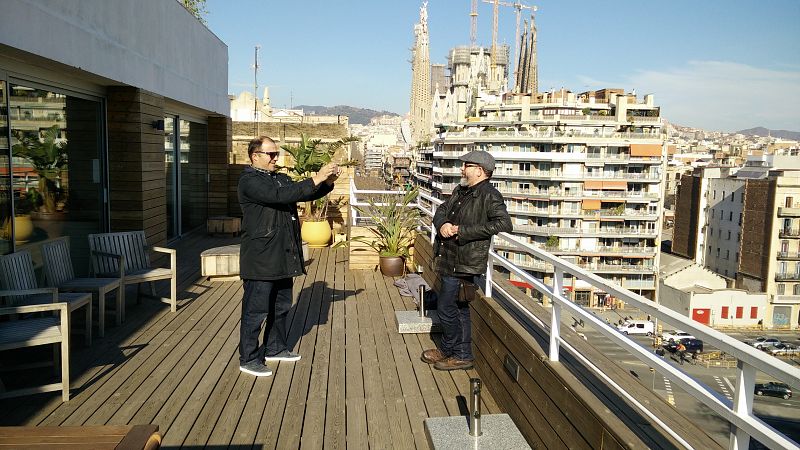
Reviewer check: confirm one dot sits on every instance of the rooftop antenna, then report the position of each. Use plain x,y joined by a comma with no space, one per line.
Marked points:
256,128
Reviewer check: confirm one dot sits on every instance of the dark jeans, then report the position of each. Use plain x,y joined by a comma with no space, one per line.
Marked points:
264,300
454,319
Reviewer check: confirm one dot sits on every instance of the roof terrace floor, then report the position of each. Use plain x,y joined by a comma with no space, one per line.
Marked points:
360,384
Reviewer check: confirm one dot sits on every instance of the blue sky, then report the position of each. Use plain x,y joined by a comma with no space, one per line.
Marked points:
715,64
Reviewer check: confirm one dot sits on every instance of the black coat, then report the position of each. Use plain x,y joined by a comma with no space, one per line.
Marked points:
271,247
480,213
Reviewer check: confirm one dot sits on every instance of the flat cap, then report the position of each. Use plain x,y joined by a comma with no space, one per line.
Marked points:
481,158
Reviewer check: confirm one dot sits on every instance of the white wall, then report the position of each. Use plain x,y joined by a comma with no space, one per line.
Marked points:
155,45
732,298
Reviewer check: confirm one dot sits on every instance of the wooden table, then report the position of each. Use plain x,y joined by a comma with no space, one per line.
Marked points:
126,437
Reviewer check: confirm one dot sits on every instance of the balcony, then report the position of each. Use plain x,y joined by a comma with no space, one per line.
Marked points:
787,276
603,231
788,212
790,256
789,233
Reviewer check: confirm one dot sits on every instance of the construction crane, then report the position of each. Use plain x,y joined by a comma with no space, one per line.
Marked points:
519,6
473,28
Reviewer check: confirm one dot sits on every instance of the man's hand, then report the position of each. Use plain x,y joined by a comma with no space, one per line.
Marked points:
448,230
329,172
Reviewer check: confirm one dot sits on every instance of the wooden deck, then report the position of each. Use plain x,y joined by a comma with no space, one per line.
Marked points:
360,384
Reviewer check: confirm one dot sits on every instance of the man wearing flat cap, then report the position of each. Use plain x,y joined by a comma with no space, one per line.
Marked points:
465,224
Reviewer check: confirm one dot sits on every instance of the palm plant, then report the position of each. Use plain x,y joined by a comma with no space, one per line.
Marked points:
309,156
395,219
47,156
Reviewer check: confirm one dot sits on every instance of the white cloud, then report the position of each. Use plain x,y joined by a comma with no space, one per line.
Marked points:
719,95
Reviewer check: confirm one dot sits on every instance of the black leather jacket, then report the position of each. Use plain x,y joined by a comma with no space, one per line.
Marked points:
480,213
271,246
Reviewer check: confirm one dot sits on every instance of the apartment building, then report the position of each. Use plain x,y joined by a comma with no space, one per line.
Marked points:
582,176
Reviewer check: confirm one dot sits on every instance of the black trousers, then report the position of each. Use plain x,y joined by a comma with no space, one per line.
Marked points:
262,301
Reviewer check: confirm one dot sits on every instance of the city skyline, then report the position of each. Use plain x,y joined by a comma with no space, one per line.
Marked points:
715,65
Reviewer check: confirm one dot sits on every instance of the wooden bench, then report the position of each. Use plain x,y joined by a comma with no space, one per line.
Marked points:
121,437
224,224
126,255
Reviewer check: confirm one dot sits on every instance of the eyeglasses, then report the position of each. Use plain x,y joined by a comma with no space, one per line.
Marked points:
272,155
466,166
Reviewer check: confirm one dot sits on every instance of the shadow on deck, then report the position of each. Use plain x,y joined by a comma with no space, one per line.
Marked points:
360,384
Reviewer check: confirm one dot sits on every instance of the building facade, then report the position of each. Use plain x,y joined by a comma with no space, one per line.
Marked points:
581,178
128,104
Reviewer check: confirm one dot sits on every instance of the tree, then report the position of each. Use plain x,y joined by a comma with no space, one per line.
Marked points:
197,8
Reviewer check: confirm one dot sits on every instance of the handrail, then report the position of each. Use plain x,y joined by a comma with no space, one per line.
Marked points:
738,413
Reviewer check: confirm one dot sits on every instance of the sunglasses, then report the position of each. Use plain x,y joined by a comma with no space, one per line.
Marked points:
272,155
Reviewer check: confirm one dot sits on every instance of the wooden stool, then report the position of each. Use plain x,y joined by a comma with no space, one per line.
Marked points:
224,224
220,263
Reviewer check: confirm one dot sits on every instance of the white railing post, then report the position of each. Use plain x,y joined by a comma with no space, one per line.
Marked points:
487,290
742,403
433,227
555,318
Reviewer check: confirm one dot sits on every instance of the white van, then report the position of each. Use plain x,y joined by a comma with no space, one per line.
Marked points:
637,327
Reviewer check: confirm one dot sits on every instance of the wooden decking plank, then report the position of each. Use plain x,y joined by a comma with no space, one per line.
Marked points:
355,401
335,414
179,427
164,412
377,418
405,361
154,386
222,433
391,361
153,363
313,427
298,402
106,384
271,425
207,419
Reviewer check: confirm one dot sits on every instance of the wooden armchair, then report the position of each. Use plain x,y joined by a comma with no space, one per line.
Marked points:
17,277
126,255
58,273
31,331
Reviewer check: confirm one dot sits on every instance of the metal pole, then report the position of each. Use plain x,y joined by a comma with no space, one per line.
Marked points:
422,301
475,407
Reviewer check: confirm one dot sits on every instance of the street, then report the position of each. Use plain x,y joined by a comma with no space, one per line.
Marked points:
782,414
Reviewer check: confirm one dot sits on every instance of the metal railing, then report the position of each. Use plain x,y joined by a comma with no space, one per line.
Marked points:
739,412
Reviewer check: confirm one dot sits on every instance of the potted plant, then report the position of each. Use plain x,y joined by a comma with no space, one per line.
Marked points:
309,156
48,156
23,225
396,219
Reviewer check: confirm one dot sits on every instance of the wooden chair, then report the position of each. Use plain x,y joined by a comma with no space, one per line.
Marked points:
58,273
16,274
29,331
126,255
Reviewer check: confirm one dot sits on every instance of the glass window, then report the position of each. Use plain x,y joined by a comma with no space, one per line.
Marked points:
57,177
5,180
194,174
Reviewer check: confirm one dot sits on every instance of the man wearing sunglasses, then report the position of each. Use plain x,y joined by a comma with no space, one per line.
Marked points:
271,252
465,224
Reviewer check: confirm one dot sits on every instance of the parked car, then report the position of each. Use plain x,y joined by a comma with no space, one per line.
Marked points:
764,341
674,335
637,327
692,345
783,348
774,389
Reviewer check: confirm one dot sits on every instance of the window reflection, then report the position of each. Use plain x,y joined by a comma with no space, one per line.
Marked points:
56,170
5,170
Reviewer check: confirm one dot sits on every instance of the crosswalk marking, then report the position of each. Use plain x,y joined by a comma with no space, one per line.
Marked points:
668,387
723,387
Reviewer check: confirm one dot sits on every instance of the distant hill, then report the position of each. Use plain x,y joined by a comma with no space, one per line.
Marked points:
356,115
782,134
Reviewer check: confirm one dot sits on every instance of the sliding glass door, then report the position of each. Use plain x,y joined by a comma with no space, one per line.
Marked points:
186,172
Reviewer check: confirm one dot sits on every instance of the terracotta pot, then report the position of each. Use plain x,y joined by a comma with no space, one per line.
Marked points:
317,234
392,266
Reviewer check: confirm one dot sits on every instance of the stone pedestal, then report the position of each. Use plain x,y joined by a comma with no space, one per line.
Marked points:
452,433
